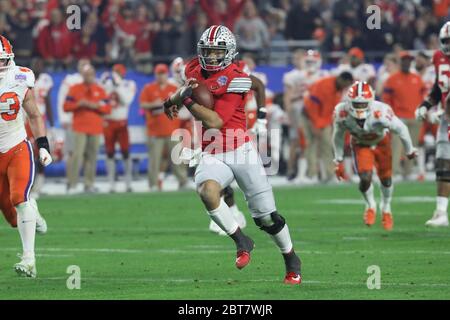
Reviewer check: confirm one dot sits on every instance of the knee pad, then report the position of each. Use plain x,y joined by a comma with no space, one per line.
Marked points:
443,170
386,182
272,224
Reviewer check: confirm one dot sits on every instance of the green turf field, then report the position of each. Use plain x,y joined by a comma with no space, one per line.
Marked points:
157,246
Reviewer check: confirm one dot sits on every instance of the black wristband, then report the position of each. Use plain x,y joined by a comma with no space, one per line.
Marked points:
262,112
426,104
42,142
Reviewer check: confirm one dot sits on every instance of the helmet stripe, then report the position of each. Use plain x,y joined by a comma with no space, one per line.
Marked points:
212,33
6,45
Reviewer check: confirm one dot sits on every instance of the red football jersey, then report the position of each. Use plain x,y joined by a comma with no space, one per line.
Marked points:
442,66
228,87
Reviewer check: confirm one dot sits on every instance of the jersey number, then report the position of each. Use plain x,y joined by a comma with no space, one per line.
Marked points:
14,105
443,76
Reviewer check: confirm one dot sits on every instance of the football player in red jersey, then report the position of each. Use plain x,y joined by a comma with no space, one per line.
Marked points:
228,153
439,93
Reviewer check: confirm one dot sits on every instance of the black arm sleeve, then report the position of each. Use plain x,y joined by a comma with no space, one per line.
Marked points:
435,94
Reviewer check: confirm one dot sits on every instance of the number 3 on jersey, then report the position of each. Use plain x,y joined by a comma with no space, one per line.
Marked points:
12,99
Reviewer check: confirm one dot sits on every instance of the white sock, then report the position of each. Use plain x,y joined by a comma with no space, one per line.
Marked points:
128,172
235,210
368,196
26,224
348,166
386,198
224,218
111,167
302,167
441,203
283,240
38,183
421,160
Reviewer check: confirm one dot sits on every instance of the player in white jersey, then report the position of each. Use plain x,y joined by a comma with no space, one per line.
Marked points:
369,123
42,91
360,71
121,93
296,83
440,94
424,68
16,154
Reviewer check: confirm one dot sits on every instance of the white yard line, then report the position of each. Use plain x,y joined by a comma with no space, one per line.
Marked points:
271,280
193,250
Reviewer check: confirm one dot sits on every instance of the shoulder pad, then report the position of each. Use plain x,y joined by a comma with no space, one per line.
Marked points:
190,67
340,112
22,76
382,112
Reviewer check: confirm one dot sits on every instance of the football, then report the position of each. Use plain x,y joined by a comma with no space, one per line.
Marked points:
203,96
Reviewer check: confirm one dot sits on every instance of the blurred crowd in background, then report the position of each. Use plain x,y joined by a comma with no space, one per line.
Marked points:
148,36
142,33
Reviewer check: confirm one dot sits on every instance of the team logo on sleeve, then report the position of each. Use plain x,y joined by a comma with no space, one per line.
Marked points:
20,77
222,80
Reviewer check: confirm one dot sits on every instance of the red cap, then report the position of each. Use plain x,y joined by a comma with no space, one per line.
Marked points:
120,69
356,52
161,68
405,55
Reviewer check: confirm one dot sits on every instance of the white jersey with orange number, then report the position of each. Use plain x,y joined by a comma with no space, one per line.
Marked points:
13,88
121,96
42,87
378,123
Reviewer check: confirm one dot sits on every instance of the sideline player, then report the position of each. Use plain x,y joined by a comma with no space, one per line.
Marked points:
121,93
17,168
369,123
439,93
228,153
42,91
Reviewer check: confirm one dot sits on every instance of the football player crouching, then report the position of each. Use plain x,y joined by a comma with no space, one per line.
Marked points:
369,123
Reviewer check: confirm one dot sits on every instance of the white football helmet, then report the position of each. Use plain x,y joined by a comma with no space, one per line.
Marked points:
177,69
6,56
444,38
360,96
312,61
216,48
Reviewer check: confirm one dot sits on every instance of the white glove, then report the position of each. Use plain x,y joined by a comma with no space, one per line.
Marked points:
44,157
421,113
434,117
260,127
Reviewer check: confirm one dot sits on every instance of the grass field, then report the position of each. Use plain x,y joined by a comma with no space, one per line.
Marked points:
157,246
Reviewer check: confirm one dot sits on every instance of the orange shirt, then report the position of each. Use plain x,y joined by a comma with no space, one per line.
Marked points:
320,102
158,125
440,8
87,120
404,92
